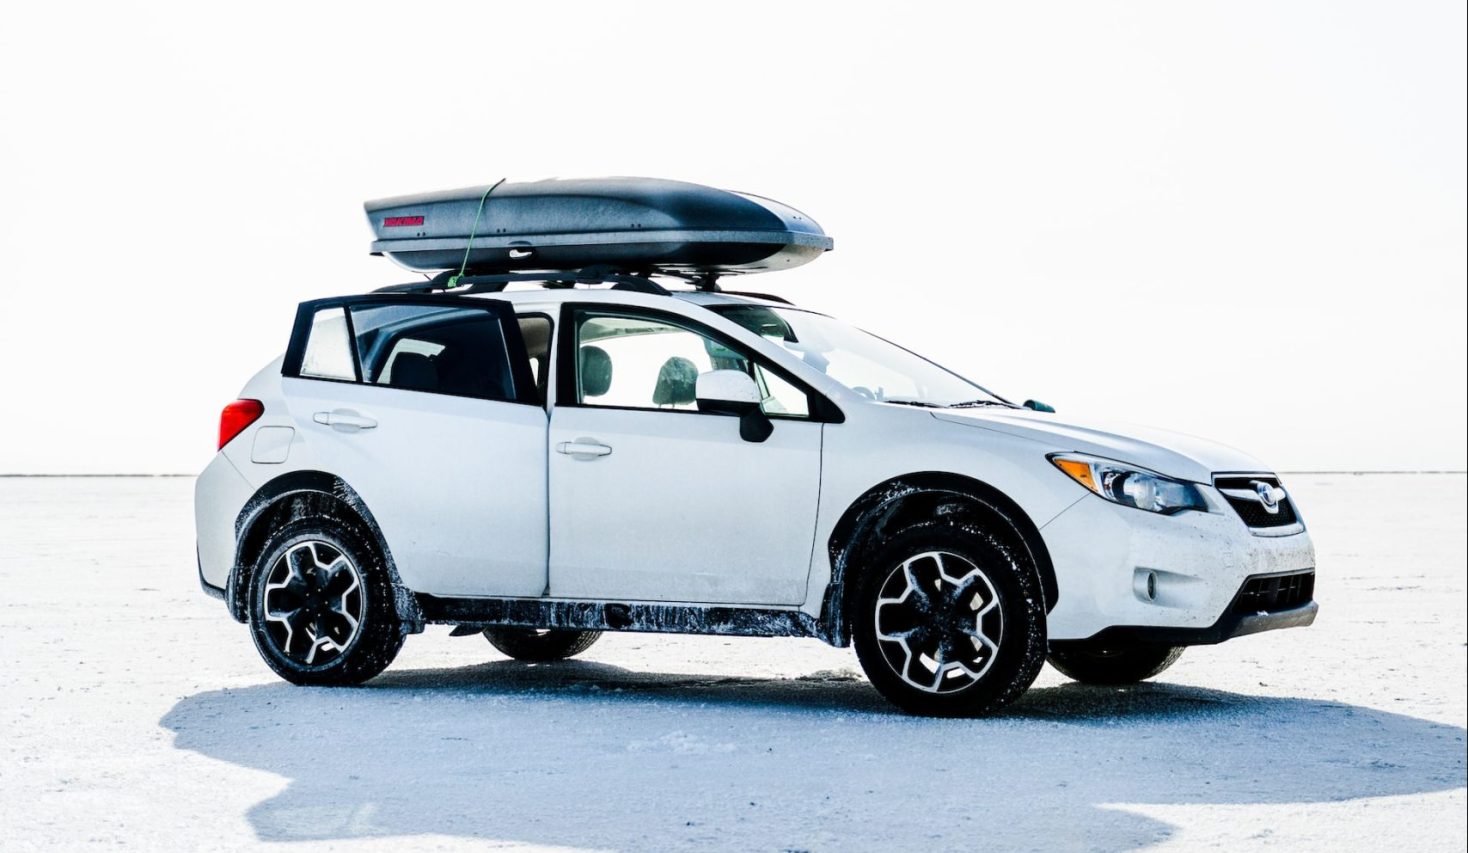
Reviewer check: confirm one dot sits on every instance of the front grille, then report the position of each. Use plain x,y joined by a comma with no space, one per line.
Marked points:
1242,494
1274,593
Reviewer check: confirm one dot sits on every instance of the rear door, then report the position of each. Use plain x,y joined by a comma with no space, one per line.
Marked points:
427,408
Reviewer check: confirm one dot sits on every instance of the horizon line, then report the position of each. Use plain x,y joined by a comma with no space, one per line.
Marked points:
1349,471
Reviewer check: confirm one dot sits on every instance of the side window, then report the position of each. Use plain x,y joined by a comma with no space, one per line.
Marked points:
441,349
645,363
781,398
444,350
329,349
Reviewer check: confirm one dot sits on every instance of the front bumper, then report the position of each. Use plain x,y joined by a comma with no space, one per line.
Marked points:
1237,621
1177,579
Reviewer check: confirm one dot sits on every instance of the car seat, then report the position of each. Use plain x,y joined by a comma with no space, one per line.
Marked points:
596,371
413,371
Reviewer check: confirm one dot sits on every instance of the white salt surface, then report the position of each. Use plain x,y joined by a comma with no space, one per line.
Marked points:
137,715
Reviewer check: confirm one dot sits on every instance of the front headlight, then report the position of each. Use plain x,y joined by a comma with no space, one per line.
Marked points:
1129,485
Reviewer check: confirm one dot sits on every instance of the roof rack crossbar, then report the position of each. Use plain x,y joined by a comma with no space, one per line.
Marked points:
496,283
438,282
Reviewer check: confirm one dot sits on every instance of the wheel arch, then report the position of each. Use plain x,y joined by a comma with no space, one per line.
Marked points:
890,505
299,495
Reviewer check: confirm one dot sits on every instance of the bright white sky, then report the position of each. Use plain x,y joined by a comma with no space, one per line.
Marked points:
1240,220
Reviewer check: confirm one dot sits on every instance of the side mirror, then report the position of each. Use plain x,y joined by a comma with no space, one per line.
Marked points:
733,392
1037,406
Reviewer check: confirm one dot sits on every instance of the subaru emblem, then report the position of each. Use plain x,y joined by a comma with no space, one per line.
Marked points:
1269,496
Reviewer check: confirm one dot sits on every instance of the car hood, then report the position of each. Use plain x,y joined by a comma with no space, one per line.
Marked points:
1177,455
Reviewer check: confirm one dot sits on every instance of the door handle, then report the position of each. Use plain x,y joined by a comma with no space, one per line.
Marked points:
344,419
584,448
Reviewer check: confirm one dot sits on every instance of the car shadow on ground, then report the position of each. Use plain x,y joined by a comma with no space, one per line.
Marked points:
583,754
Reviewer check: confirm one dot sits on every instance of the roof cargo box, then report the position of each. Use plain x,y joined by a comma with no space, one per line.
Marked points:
636,224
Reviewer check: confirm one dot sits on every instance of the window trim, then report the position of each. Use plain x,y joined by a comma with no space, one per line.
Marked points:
822,409
522,380
352,345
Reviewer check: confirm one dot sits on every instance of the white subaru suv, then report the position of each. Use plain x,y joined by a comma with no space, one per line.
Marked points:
540,455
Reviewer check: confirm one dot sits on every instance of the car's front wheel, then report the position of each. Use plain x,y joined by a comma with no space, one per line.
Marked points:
949,621
1112,663
540,645
321,605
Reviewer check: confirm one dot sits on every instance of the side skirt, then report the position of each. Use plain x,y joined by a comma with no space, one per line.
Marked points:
614,616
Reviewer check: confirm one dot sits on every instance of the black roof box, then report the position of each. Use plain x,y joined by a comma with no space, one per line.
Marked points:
636,224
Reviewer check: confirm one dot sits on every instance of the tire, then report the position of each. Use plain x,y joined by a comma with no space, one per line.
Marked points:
540,646
1090,663
968,671
321,605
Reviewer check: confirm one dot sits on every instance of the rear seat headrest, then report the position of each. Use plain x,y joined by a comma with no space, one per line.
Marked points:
596,371
414,371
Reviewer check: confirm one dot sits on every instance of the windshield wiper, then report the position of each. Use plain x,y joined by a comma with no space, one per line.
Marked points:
976,404
921,404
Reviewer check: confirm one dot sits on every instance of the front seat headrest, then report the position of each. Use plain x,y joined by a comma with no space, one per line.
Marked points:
596,371
677,383
414,371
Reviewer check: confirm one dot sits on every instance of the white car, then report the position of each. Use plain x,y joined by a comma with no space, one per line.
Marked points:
545,464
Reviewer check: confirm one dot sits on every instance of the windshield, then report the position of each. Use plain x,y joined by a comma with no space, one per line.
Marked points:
868,365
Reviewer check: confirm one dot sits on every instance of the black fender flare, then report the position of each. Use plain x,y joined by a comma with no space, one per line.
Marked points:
302,494
891,504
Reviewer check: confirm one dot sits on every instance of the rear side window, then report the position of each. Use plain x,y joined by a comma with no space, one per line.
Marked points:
329,349
438,349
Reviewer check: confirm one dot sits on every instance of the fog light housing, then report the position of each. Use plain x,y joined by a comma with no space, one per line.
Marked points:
1144,585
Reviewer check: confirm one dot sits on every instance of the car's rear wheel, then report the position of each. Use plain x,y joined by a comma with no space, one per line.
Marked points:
540,645
1112,663
949,621
321,605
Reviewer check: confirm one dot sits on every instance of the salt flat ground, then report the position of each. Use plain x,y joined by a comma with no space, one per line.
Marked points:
137,715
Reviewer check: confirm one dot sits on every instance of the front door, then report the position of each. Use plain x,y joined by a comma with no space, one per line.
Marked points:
427,408
653,500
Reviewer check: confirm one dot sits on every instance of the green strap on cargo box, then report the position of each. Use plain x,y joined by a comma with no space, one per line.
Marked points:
454,281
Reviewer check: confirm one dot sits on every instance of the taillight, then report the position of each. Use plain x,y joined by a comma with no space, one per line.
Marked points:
236,416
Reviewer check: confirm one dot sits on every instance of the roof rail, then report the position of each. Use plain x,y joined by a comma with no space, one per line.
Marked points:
768,297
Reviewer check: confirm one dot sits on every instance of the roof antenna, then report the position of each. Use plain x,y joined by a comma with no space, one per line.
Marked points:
454,280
